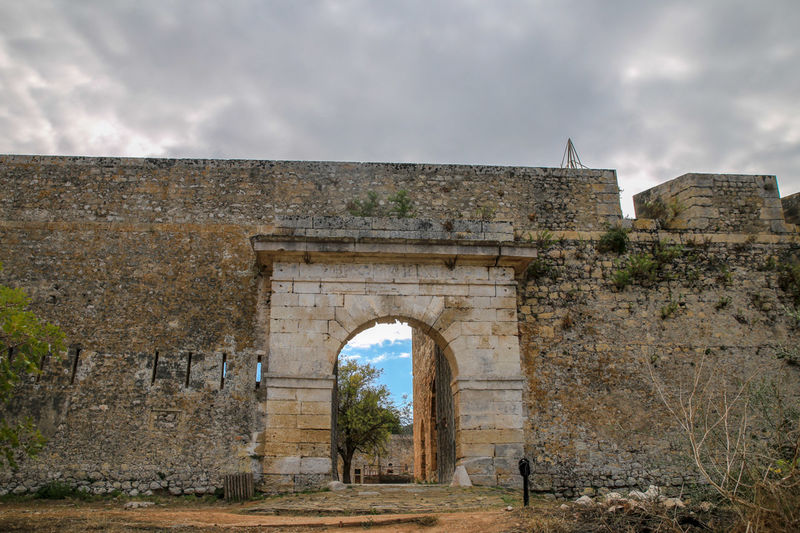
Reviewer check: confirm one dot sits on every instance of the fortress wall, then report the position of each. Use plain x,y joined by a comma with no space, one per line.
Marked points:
248,193
131,256
122,293
594,418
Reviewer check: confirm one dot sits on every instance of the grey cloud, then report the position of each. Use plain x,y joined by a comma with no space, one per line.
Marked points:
653,89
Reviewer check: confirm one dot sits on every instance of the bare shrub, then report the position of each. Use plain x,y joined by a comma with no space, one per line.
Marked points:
744,441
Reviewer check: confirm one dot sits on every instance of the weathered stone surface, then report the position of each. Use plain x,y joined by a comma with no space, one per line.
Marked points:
137,257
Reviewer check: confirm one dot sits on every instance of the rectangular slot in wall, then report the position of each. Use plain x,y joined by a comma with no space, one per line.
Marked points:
76,355
155,368
42,365
258,372
224,371
188,369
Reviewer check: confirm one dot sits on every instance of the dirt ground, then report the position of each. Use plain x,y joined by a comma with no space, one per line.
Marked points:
75,516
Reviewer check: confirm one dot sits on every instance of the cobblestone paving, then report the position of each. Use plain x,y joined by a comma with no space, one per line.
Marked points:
383,499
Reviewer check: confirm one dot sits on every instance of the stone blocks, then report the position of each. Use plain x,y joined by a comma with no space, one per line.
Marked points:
173,237
469,310
715,202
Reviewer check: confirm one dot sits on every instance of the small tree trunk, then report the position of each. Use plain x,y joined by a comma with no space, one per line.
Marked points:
347,460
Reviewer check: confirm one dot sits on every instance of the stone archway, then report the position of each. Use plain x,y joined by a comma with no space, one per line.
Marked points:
432,400
322,292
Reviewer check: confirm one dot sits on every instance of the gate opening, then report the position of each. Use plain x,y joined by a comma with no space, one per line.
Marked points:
412,367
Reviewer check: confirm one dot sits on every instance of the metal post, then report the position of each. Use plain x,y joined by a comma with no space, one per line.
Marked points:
524,471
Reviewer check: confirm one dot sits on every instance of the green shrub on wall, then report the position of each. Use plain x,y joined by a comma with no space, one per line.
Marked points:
614,240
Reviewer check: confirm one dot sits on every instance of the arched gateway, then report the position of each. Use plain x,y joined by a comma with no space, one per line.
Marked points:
323,282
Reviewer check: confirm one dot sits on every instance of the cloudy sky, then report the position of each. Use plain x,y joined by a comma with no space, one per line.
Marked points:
388,347
650,88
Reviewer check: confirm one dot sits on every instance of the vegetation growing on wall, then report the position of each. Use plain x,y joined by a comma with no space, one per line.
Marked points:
364,208
485,212
615,240
667,261
401,205
648,267
541,268
664,213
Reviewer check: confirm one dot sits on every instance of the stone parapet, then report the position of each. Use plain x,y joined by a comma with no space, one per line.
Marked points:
728,203
252,192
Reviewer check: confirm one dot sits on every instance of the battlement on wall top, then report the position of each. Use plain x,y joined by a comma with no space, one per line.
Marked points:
724,203
254,192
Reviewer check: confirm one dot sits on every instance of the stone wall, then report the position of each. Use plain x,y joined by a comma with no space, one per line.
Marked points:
593,416
715,203
133,257
791,208
246,192
394,464
122,294
425,439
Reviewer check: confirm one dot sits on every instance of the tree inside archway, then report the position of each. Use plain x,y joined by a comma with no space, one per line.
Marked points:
366,415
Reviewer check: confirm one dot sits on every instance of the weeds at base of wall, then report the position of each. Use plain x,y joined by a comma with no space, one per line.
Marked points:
745,443
722,303
59,490
790,354
546,517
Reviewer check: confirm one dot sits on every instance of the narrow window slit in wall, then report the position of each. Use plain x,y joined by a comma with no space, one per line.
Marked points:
258,373
188,369
224,371
77,352
42,365
12,352
155,367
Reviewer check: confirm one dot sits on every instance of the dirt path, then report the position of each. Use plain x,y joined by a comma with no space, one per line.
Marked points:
69,517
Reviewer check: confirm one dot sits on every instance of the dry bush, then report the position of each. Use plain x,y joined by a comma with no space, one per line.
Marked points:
633,517
744,441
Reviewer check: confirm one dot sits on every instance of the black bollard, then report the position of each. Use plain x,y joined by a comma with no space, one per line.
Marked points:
524,471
